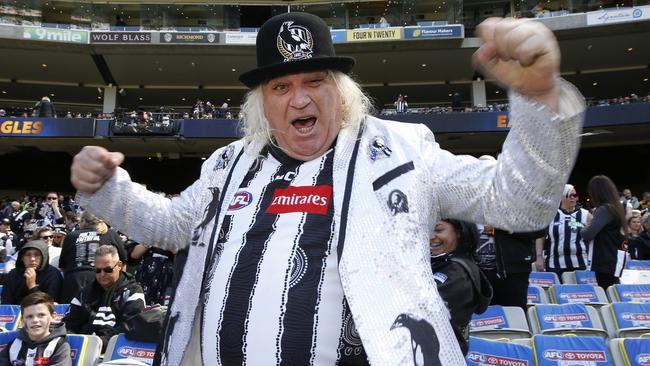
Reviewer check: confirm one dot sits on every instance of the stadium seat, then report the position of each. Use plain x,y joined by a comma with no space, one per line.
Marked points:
629,293
119,347
490,352
625,319
60,310
586,294
636,264
537,295
577,319
6,338
10,317
85,350
543,279
579,278
630,351
579,350
500,322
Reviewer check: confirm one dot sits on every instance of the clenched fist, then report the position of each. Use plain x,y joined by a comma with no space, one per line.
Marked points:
93,166
522,55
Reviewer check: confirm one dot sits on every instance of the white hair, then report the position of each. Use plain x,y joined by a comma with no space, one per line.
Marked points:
355,105
568,188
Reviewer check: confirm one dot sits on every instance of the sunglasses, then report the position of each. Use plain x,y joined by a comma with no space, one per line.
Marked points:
46,237
105,269
51,198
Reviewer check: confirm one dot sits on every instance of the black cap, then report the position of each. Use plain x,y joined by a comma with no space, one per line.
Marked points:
291,43
5,222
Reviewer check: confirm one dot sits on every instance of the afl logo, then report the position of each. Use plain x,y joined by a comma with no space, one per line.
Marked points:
240,200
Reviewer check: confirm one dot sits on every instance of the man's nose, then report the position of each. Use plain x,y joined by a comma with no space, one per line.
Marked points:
300,98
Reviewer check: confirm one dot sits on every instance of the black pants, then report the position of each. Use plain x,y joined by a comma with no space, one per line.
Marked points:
605,280
509,291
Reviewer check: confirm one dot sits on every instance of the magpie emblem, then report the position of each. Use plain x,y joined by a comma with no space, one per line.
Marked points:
224,158
379,149
294,42
424,342
397,202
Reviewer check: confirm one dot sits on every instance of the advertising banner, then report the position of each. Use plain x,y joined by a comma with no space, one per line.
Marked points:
609,16
189,37
437,32
47,127
55,35
246,38
120,37
371,35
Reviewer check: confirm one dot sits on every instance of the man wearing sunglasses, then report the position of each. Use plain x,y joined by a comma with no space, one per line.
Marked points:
104,305
49,212
565,249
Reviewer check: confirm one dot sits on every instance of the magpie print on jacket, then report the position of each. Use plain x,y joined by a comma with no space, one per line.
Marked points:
423,339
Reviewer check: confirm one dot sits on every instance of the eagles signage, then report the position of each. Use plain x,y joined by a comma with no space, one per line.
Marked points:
55,35
445,31
378,34
189,37
47,127
120,37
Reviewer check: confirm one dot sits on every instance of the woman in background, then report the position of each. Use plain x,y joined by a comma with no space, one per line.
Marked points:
608,230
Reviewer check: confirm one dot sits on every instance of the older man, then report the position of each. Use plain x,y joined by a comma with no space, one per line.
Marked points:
319,218
104,305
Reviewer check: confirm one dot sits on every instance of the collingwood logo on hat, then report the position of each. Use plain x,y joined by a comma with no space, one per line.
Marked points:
294,42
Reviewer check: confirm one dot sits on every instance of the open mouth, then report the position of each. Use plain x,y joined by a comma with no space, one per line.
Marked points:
304,125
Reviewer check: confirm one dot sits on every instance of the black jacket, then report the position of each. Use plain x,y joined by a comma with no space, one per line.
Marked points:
48,278
60,356
90,312
464,289
78,251
515,251
639,247
605,231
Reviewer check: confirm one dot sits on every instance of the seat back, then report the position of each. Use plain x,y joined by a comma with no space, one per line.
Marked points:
630,351
586,294
10,317
638,265
6,338
565,319
569,278
543,279
500,322
578,350
537,295
59,311
119,347
624,319
629,293
85,350
490,352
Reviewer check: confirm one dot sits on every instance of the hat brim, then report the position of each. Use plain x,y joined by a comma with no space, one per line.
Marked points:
257,76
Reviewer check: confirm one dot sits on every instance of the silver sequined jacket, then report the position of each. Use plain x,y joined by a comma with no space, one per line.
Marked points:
385,209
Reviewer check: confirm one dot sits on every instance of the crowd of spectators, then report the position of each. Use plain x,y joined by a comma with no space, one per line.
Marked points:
49,245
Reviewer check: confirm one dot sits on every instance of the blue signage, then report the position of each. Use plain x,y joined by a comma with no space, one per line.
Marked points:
443,31
338,36
223,128
47,127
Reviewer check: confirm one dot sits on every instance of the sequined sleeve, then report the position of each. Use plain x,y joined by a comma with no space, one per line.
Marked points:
144,216
521,190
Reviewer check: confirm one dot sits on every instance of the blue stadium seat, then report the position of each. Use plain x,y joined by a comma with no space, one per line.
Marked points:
580,350
636,264
570,294
119,347
60,310
9,317
579,278
6,338
578,319
499,322
537,295
630,351
85,350
543,279
626,319
488,352
629,293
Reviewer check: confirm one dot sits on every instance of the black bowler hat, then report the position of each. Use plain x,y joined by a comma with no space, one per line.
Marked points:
291,43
